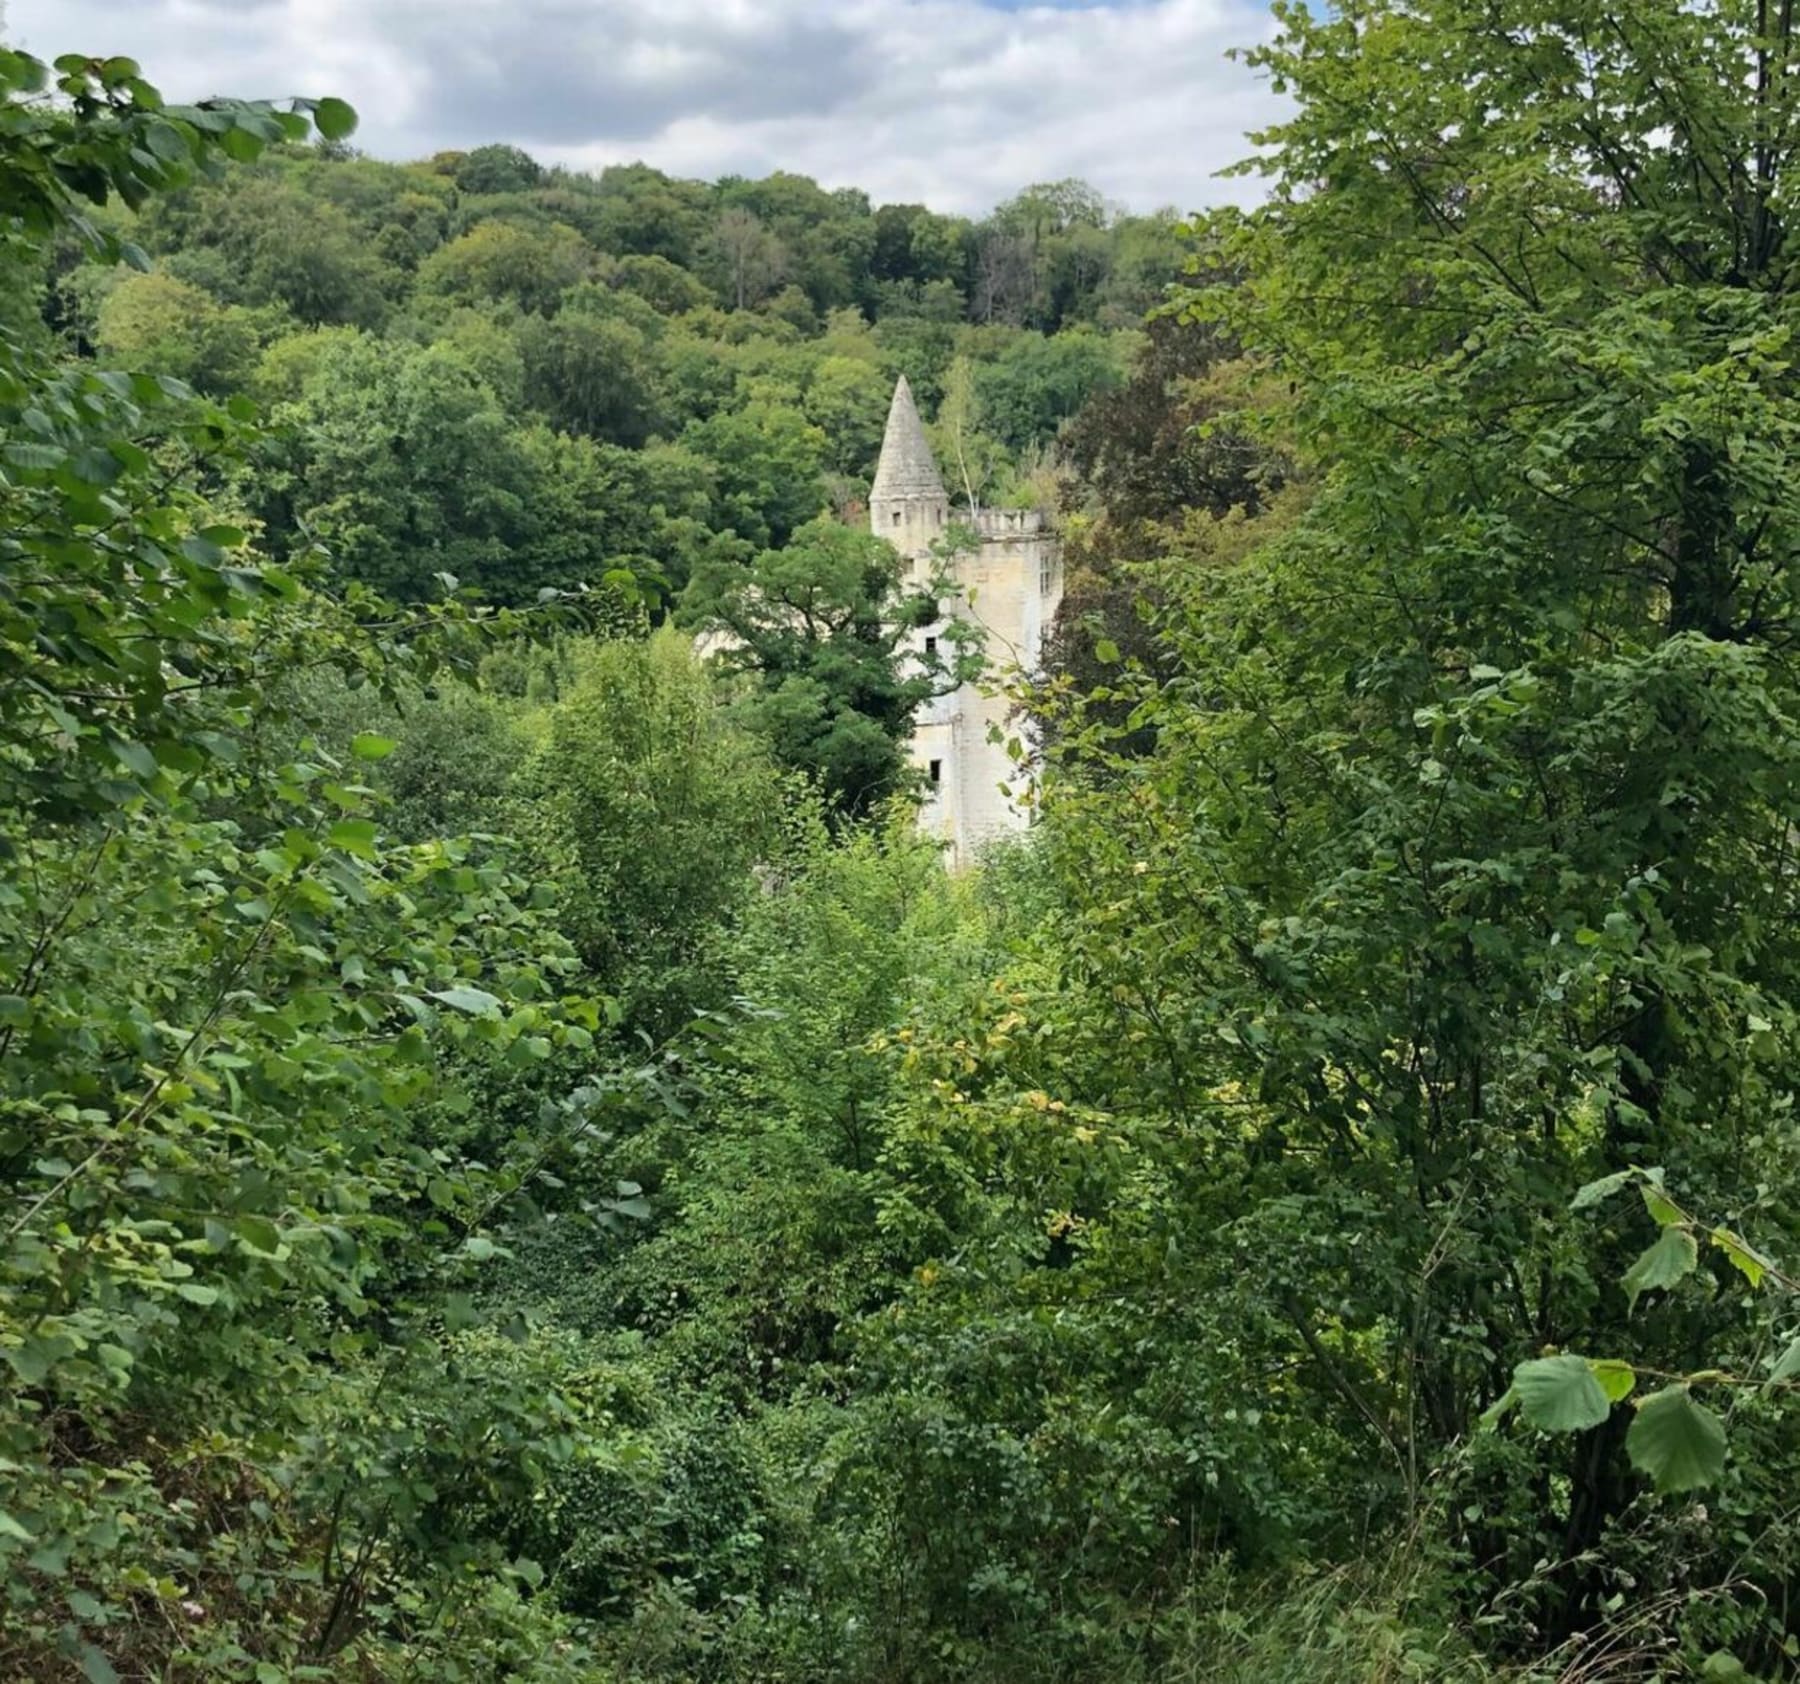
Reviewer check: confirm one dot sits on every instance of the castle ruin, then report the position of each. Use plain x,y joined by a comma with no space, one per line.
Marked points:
1009,586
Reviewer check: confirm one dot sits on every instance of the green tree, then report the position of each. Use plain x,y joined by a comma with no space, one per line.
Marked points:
497,169
156,321
767,462
652,810
1474,809
499,261
593,375
225,1243
822,629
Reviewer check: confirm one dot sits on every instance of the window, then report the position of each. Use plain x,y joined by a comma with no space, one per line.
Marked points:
937,773
896,517
1046,573
931,648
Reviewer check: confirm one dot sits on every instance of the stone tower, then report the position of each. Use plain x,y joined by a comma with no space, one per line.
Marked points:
907,504
1009,586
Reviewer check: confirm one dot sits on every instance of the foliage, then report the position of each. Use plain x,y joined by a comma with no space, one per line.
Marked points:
237,1439
652,811
824,629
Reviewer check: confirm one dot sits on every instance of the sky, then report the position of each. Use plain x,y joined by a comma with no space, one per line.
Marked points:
955,103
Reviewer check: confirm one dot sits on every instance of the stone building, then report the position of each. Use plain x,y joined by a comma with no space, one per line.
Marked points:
1009,586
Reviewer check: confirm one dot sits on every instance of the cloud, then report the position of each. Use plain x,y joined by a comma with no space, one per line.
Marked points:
952,102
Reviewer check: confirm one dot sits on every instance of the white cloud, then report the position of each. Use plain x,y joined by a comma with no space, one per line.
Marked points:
953,102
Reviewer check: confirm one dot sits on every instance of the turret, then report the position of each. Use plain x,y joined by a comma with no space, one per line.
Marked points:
908,505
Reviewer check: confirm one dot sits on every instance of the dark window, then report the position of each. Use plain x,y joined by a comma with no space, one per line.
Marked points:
937,773
896,517
931,648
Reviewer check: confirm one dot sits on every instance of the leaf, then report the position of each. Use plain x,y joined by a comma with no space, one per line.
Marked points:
134,757
10,1528
367,745
86,1607
1106,652
354,836
1662,1213
259,1233
335,118
1616,1378
1560,1394
476,1001
197,1294
1673,1256
1604,1188
1498,1410
1747,1262
23,453
95,1667
1785,1366
1679,1443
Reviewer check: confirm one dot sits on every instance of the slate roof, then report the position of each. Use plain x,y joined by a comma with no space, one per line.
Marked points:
907,468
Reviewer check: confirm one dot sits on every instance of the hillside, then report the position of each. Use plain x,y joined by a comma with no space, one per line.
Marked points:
519,1161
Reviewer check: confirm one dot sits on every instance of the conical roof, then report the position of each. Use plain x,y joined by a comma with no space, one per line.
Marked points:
907,468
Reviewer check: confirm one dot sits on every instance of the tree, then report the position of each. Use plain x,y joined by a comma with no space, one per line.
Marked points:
1480,804
1039,380
497,169
651,807
592,375
767,461
403,463
224,992
497,261
261,240
748,257
822,628
157,321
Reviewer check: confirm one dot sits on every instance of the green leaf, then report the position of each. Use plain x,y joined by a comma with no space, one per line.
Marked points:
1604,1188
15,1010
1659,1268
1498,1410
1785,1366
476,1001
1616,1378
85,1606
354,836
1662,1213
335,118
1560,1394
367,745
23,453
10,1528
1748,1263
1106,651
259,1233
197,1294
95,1667
134,757
1679,1443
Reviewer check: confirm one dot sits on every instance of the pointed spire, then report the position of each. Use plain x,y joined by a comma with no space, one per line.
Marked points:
907,469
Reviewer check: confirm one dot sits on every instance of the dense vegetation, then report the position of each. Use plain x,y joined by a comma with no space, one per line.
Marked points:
516,1161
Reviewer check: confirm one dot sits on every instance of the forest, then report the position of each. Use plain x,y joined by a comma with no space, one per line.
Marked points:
519,1160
